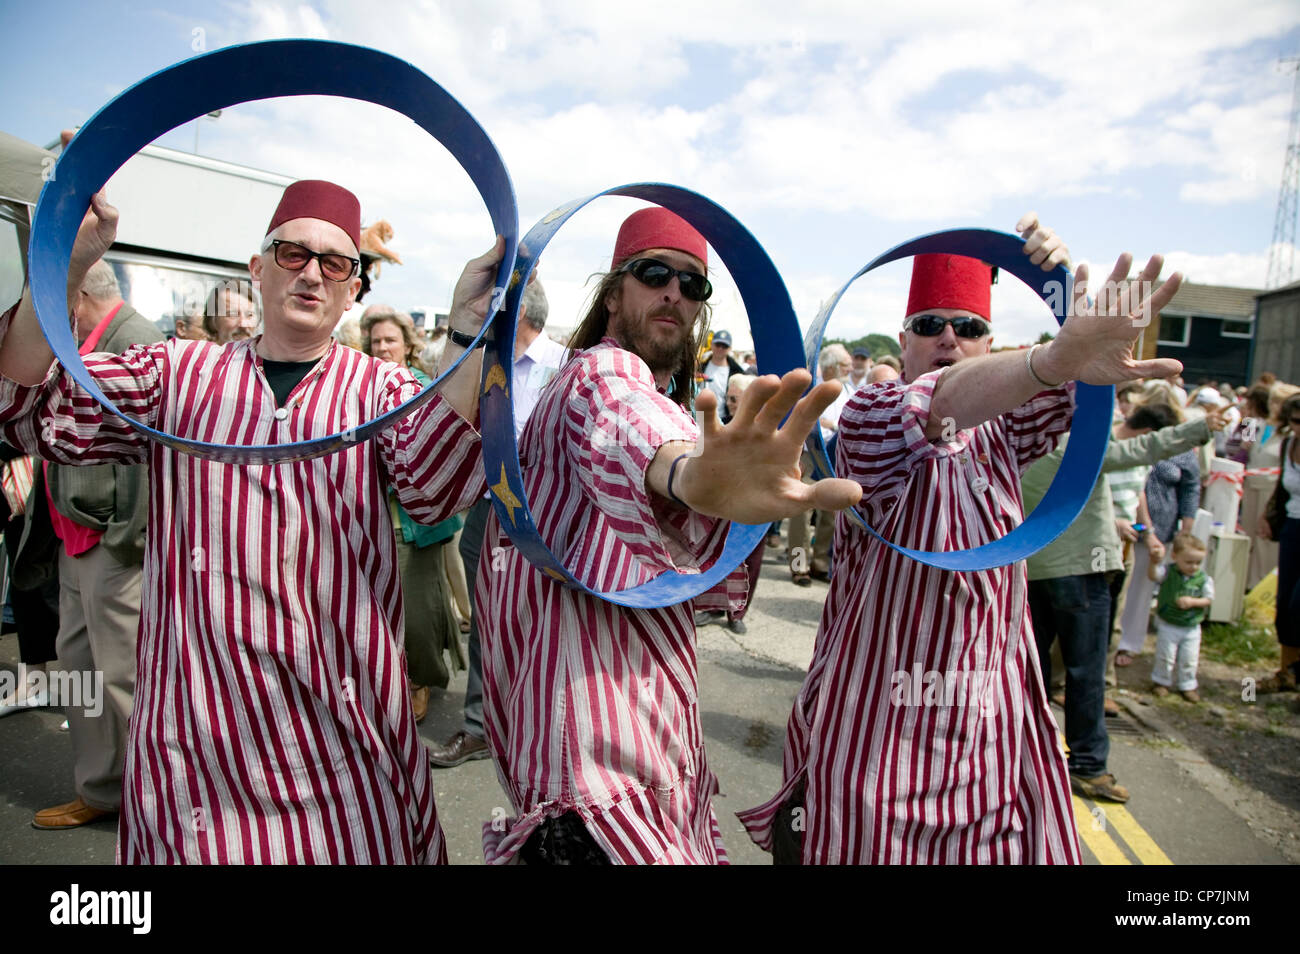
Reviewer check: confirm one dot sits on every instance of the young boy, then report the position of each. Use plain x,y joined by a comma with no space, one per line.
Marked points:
1184,596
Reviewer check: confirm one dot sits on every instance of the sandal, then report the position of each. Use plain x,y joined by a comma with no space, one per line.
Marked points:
1123,659
801,579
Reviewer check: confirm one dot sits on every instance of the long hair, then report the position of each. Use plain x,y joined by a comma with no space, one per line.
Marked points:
595,324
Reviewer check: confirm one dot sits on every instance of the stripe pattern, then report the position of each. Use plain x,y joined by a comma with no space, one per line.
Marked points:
894,772
271,721
590,707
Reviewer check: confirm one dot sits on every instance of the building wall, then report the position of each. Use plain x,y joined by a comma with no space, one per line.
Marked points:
1277,337
1209,354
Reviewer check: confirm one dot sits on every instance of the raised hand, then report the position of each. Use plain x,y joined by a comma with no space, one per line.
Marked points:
95,236
1043,246
748,470
474,290
1095,345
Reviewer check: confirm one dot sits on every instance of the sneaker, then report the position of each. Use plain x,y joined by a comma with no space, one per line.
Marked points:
461,747
737,626
705,617
1159,691
1191,695
1103,786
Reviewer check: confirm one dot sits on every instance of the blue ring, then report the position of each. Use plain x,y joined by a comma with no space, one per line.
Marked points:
219,80
1089,431
776,343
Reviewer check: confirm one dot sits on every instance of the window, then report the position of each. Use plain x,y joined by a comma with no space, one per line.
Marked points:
1175,330
164,289
1238,329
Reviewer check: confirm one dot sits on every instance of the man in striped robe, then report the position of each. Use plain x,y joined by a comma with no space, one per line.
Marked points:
922,733
272,720
591,709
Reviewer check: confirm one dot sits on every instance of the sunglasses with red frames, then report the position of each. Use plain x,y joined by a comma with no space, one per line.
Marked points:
929,326
294,257
657,274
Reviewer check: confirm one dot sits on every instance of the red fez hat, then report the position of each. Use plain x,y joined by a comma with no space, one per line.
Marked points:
950,281
317,199
656,227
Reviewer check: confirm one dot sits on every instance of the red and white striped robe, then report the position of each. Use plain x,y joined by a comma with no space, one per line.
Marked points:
272,721
590,707
889,783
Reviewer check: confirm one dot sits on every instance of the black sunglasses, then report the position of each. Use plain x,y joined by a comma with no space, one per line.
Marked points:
657,274
294,257
928,326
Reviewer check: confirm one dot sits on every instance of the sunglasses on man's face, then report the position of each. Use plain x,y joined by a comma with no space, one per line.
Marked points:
657,274
929,326
294,257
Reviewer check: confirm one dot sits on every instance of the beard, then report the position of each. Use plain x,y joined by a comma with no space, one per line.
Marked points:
661,351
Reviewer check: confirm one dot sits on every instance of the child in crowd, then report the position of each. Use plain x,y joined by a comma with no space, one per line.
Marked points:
1181,603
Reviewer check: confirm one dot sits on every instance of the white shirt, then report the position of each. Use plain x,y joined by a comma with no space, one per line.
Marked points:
716,377
532,370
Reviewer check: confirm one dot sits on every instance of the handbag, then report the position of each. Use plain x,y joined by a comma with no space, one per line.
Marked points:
1275,510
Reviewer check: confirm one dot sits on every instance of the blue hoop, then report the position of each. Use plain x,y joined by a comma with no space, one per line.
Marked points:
776,343
219,80
1089,431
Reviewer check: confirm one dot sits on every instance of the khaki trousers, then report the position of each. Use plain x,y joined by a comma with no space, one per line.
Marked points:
99,618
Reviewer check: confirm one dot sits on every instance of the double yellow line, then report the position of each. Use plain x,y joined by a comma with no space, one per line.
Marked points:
1098,825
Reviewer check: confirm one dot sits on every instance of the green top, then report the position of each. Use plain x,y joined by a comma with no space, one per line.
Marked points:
1176,585
419,534
1091,544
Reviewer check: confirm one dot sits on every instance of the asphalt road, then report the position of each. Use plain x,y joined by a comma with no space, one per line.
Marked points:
1182,811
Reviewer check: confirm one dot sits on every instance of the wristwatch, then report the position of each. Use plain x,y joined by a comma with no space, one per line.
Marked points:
464,340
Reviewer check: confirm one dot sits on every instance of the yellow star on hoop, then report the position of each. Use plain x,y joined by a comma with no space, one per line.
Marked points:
554,574
506,495
552,216
496,375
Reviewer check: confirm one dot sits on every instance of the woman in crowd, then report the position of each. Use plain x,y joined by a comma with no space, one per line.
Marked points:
1263,465
1173,492
432,632
1281,522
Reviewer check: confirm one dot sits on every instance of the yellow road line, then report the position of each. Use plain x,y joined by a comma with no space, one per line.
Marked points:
1095,834
1141,844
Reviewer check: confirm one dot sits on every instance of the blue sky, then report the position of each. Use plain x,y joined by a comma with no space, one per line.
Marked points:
833,130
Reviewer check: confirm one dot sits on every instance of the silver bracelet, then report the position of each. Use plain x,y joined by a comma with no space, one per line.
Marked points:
1029,363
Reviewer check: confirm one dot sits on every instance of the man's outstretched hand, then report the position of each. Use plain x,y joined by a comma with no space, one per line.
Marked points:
748,470
1095,345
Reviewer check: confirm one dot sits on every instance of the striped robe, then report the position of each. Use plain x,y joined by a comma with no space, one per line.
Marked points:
891,775
589,707
272,721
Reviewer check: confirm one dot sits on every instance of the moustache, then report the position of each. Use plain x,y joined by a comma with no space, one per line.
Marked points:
667,311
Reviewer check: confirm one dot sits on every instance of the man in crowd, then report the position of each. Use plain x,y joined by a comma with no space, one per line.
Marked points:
591,708
1069,586
99,513
537,360
229,313
875,769
719,366
272,719
861,368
